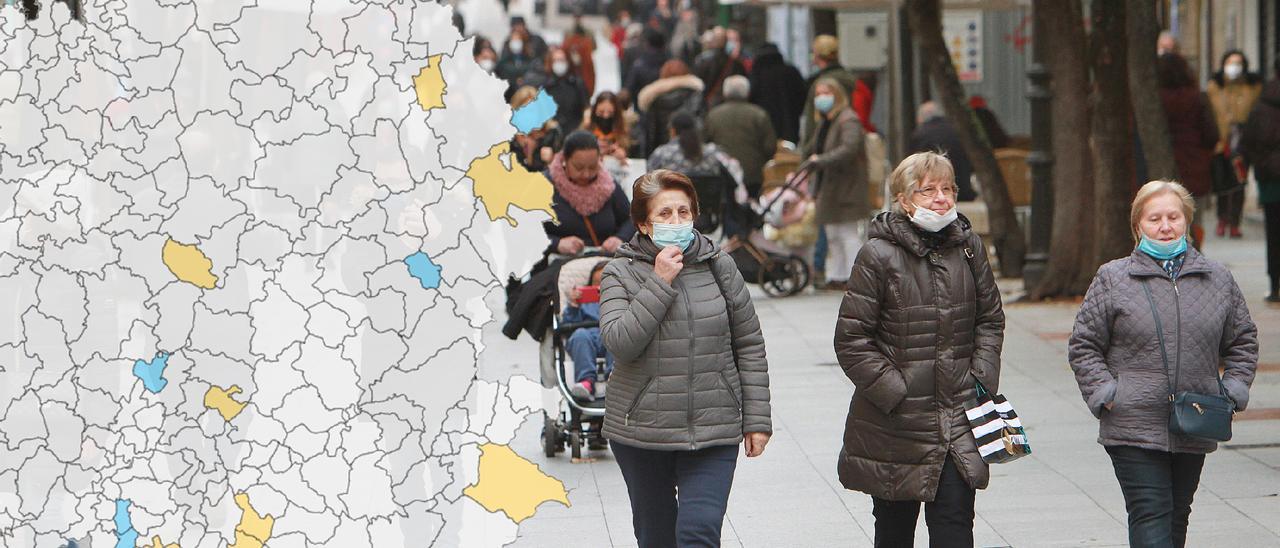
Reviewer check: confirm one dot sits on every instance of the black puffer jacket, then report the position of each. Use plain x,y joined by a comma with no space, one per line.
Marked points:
915,328
1261,139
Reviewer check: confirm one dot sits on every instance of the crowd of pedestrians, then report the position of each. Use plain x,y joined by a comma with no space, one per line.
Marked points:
920,328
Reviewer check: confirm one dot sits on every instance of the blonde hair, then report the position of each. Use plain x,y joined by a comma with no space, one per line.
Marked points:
916,168
1158,188
841,97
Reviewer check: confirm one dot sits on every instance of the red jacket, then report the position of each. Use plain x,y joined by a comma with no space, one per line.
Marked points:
861,99
1193,131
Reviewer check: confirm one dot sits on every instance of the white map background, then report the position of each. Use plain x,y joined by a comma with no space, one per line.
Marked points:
283,138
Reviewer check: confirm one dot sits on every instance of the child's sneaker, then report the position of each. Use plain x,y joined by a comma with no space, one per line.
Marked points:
583,390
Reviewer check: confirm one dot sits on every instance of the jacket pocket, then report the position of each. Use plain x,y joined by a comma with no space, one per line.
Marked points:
729,386
626,421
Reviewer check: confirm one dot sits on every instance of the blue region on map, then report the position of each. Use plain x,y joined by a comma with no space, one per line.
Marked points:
533,115
126,537
421,267
151,372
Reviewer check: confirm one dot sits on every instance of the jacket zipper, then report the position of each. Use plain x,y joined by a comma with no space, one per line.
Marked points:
688,307
627,419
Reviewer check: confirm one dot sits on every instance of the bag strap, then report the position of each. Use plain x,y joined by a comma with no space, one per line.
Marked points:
591,230
1164,354
724,73
728,305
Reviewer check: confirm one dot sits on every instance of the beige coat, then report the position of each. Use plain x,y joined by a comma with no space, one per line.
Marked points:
1231,105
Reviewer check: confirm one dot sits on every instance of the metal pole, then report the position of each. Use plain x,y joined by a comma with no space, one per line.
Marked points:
1040,160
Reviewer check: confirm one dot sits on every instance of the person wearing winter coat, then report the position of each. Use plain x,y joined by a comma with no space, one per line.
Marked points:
1192,131
675,90
826,57
1232,91
715,64
920,325
590,208
645,61
842,200
1261,147
743,131
690,380
778,88
1120,362
565,88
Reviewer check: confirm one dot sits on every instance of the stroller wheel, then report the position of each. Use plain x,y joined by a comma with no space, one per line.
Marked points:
789,277
550,437
575,444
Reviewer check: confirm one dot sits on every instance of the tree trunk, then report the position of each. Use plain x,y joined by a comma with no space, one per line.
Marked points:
925,20
1072,261
1148,112
1113,143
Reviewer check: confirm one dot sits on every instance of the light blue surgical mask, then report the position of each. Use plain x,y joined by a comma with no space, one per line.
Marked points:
679,235
824,103
1162,251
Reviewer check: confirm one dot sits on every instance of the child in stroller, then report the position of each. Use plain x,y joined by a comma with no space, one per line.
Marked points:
584,345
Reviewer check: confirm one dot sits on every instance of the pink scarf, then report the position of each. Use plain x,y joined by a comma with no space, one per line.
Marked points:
586,200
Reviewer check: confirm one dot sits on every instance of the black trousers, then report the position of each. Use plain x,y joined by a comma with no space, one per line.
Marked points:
1231,207
678,498
949,516
1158,489
1271,216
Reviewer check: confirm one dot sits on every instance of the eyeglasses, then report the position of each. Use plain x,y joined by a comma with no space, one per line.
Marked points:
932,192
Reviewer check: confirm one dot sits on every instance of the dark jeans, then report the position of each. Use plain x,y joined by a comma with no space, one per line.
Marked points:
678,498
1158,488
820,251
1231,207
584,347
949,516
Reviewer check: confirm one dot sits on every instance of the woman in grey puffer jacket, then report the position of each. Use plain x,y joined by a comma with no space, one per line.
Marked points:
1116,355
691,381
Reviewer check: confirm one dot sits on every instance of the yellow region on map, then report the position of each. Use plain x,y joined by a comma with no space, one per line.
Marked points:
254,530
220,400
155,543
429,84
189,264
499,187
510,484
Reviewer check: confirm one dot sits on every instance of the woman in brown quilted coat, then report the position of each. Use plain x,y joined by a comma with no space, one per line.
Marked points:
920,322
1115,350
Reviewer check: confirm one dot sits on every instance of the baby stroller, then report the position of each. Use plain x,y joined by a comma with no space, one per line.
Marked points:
576,422
778,272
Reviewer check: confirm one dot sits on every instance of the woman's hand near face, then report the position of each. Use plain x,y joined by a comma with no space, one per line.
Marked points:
755,442
668,263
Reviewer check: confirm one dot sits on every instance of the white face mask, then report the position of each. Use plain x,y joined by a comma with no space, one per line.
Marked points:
1233,71
930,220
517,46
487,65
559,67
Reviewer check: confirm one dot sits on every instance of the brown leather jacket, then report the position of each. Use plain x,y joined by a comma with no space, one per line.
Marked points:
915,327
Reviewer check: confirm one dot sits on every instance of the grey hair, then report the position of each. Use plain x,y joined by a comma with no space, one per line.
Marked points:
928,110
737,87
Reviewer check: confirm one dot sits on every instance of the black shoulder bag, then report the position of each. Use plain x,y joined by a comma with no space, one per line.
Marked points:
1206,416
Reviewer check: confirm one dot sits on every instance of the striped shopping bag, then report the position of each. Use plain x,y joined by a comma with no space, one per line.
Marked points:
996,428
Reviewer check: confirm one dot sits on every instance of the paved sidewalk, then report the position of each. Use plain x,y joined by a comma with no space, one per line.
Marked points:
1065,493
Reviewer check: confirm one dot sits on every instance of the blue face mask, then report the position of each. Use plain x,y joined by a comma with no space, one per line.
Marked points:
824,103
1162,251
680,235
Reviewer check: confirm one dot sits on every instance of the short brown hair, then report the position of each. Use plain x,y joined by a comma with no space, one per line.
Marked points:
650,184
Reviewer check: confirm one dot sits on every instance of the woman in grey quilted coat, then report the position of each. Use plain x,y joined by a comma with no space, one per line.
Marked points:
920,323
690,381
1116,354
